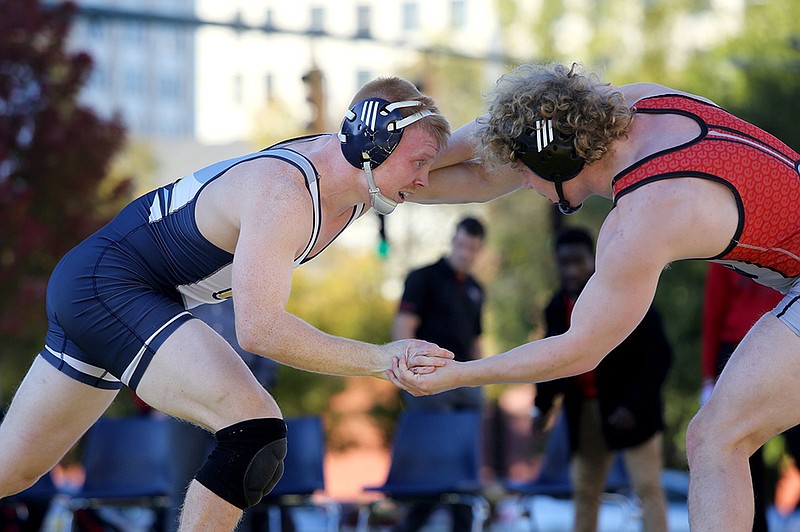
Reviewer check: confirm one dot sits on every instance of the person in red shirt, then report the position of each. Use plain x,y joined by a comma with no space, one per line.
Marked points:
732,304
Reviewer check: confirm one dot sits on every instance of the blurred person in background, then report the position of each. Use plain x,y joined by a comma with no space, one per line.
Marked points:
442,303
615,407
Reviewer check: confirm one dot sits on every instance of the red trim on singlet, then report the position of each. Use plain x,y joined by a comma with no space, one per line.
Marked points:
759,169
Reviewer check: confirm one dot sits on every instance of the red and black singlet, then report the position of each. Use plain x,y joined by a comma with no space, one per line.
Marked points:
760,170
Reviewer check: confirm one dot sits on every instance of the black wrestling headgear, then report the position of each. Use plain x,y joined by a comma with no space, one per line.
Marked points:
370,132
551,155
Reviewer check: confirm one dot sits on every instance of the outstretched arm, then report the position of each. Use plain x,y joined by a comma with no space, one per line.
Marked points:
460,176
636,243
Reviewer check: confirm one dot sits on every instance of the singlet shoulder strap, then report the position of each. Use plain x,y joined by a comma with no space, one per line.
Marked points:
306,167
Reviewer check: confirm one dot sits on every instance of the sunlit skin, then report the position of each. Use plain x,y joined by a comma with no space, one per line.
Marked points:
409,170
650,227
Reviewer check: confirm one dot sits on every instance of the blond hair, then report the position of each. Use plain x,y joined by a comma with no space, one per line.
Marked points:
395,89
578,104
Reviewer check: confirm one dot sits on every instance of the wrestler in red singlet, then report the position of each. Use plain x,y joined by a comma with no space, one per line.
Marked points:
761,172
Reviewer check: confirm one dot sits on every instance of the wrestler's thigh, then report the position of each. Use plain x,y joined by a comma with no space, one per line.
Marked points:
758,392
197,376
48,414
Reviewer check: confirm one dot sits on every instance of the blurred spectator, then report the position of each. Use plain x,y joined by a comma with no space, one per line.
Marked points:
442,303
732,304
616,407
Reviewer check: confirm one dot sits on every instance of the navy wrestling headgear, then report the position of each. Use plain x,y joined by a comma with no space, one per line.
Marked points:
371,130
551,155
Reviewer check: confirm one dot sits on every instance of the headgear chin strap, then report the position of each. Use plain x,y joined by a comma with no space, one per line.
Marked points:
370,132
551,155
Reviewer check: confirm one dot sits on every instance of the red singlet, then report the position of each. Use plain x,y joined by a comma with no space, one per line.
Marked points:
761,172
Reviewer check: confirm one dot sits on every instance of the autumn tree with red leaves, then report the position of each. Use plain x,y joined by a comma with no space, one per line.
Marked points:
54,153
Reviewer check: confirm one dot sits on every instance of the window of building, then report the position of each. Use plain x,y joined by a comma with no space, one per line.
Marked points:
238,88
268,86
99,77
458,14
317,22
133,82
363,21
133,32
269,18
97,29
410,16
170,88
179,37
362,77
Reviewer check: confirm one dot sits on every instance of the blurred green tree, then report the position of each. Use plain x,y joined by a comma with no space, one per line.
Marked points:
54,154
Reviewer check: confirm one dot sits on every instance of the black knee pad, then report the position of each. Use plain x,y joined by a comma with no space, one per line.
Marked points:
247,461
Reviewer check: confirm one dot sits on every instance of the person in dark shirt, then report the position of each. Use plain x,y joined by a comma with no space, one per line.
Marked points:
442,303
616,406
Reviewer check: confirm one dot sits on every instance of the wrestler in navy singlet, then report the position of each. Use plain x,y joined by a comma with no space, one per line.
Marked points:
115,298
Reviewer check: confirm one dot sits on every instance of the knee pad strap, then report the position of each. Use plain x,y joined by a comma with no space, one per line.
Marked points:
247,461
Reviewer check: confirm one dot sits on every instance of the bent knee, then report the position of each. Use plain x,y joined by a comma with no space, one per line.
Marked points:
710,437
247,461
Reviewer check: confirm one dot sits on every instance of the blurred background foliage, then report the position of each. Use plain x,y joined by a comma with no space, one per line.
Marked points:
51,202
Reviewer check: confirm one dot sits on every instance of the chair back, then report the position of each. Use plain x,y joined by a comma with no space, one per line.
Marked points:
303,465
434,453
128,457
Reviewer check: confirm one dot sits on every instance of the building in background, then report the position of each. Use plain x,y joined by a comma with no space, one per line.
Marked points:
345,43
142,69
209,70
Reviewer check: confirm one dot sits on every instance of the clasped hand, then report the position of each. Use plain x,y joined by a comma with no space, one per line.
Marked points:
421,368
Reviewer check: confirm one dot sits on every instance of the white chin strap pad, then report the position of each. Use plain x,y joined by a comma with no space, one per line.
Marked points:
382,204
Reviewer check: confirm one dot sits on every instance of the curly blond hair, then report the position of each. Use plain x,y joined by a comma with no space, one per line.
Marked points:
579,104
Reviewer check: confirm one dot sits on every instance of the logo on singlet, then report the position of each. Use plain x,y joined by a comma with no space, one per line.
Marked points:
222,295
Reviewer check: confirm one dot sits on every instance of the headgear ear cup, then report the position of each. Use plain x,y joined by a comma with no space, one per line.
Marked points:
370,132
551,155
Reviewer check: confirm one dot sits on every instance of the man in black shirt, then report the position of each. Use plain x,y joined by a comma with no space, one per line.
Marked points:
442,304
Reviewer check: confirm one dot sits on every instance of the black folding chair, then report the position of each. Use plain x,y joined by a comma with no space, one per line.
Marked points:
128,463
435,459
